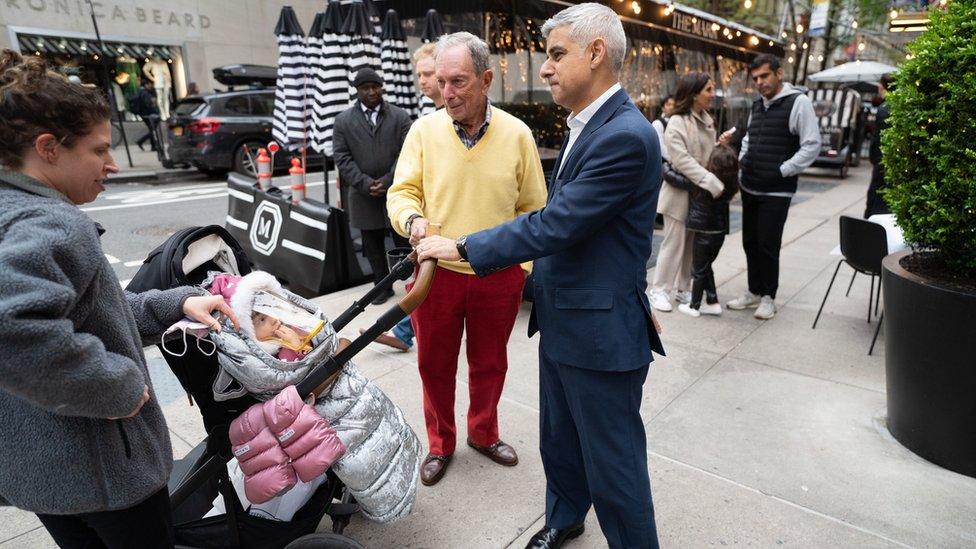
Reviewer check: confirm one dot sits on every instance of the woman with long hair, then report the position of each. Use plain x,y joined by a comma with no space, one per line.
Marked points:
688,140
83,442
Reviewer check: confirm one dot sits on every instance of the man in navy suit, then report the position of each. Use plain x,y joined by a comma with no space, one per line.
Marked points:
590,243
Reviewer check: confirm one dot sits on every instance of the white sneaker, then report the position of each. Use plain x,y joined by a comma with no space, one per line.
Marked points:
682,296
767,308
688,310
660,301
747,301
714,309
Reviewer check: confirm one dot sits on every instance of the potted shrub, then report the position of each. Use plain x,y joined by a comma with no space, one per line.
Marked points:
929,154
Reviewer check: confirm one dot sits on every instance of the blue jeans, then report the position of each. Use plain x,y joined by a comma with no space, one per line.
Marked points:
404,331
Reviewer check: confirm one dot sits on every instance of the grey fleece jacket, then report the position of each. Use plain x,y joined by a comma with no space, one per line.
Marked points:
70,357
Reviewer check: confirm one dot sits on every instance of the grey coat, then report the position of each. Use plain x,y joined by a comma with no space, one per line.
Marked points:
70,357
363,154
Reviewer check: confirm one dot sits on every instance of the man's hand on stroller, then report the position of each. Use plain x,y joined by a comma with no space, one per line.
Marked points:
201,308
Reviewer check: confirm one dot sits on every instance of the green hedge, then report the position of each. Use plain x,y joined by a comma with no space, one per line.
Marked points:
929,149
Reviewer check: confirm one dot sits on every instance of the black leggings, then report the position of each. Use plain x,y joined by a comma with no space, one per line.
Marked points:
704,250
147,524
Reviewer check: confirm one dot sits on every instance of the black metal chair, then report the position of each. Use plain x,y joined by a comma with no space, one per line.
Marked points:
863,244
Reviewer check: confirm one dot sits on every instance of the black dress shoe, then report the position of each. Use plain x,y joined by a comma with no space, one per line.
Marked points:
383,297
551,538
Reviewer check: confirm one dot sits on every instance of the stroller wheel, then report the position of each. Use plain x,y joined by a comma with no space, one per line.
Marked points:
324,540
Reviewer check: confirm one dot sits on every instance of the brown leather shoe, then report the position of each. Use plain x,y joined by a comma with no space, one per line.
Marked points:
433,468
389,341
499,452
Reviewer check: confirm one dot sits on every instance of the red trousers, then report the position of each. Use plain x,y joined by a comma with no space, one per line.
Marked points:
485,308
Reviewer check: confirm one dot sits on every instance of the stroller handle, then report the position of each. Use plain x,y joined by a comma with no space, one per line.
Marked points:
421,287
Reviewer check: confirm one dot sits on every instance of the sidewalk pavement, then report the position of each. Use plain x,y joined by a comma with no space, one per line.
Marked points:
763,434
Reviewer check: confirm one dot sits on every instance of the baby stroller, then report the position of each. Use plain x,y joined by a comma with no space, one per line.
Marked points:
186,258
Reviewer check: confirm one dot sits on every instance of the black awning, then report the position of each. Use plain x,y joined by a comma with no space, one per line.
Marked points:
32,44
677,26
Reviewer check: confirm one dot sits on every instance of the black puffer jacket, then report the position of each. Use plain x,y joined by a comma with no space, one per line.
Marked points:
705,214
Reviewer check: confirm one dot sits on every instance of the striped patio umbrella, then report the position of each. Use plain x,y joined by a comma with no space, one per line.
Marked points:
433,27
330,80
364,45
397,69
289,109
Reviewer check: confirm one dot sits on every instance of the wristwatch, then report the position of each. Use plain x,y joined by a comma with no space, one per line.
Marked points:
409,223
462,247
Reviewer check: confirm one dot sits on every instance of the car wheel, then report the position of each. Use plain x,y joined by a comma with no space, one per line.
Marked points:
324,540
244,164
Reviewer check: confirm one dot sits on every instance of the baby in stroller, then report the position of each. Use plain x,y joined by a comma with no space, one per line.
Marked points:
283,337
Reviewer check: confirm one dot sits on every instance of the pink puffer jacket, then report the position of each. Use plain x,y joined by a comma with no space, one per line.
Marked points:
305,436
266,467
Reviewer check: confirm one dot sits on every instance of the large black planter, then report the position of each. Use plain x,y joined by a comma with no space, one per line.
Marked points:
930,364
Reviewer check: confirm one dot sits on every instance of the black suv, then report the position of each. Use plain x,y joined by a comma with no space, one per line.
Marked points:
210,131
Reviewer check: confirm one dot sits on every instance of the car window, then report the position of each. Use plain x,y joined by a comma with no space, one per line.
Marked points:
236,105
263,104
187,107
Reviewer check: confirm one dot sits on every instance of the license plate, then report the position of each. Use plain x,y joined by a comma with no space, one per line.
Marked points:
178,131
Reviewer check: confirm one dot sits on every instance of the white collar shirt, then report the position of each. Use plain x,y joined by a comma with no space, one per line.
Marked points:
576,122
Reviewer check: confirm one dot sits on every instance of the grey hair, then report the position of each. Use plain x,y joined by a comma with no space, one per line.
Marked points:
475,46
590,21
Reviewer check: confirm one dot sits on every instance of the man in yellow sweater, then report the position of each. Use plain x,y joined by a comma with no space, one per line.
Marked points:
469,166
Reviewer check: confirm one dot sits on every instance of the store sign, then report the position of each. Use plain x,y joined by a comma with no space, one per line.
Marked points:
109,11
818,17
694,25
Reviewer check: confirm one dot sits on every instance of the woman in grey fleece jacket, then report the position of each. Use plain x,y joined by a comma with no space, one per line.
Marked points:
83,442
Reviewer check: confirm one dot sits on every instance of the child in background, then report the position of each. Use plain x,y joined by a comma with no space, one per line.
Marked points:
708,218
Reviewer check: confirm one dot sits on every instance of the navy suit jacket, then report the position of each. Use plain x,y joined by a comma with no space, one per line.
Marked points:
591,243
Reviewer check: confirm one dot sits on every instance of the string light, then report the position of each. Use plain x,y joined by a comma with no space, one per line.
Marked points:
754,41
738,33
861,46
635,6
805,45
747,4
894,14
793,46
790,60
854,24
819,58
716,26
784,34
770,43
799,28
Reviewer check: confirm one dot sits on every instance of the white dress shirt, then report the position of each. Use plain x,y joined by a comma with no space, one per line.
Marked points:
577,122
371,114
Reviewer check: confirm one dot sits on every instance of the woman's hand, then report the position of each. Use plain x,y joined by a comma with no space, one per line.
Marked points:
201,308
726,137
142,401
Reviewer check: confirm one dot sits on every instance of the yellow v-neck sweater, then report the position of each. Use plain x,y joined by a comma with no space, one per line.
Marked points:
466,190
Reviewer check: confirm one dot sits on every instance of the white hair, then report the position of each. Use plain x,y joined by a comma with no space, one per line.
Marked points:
476,47
590,21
